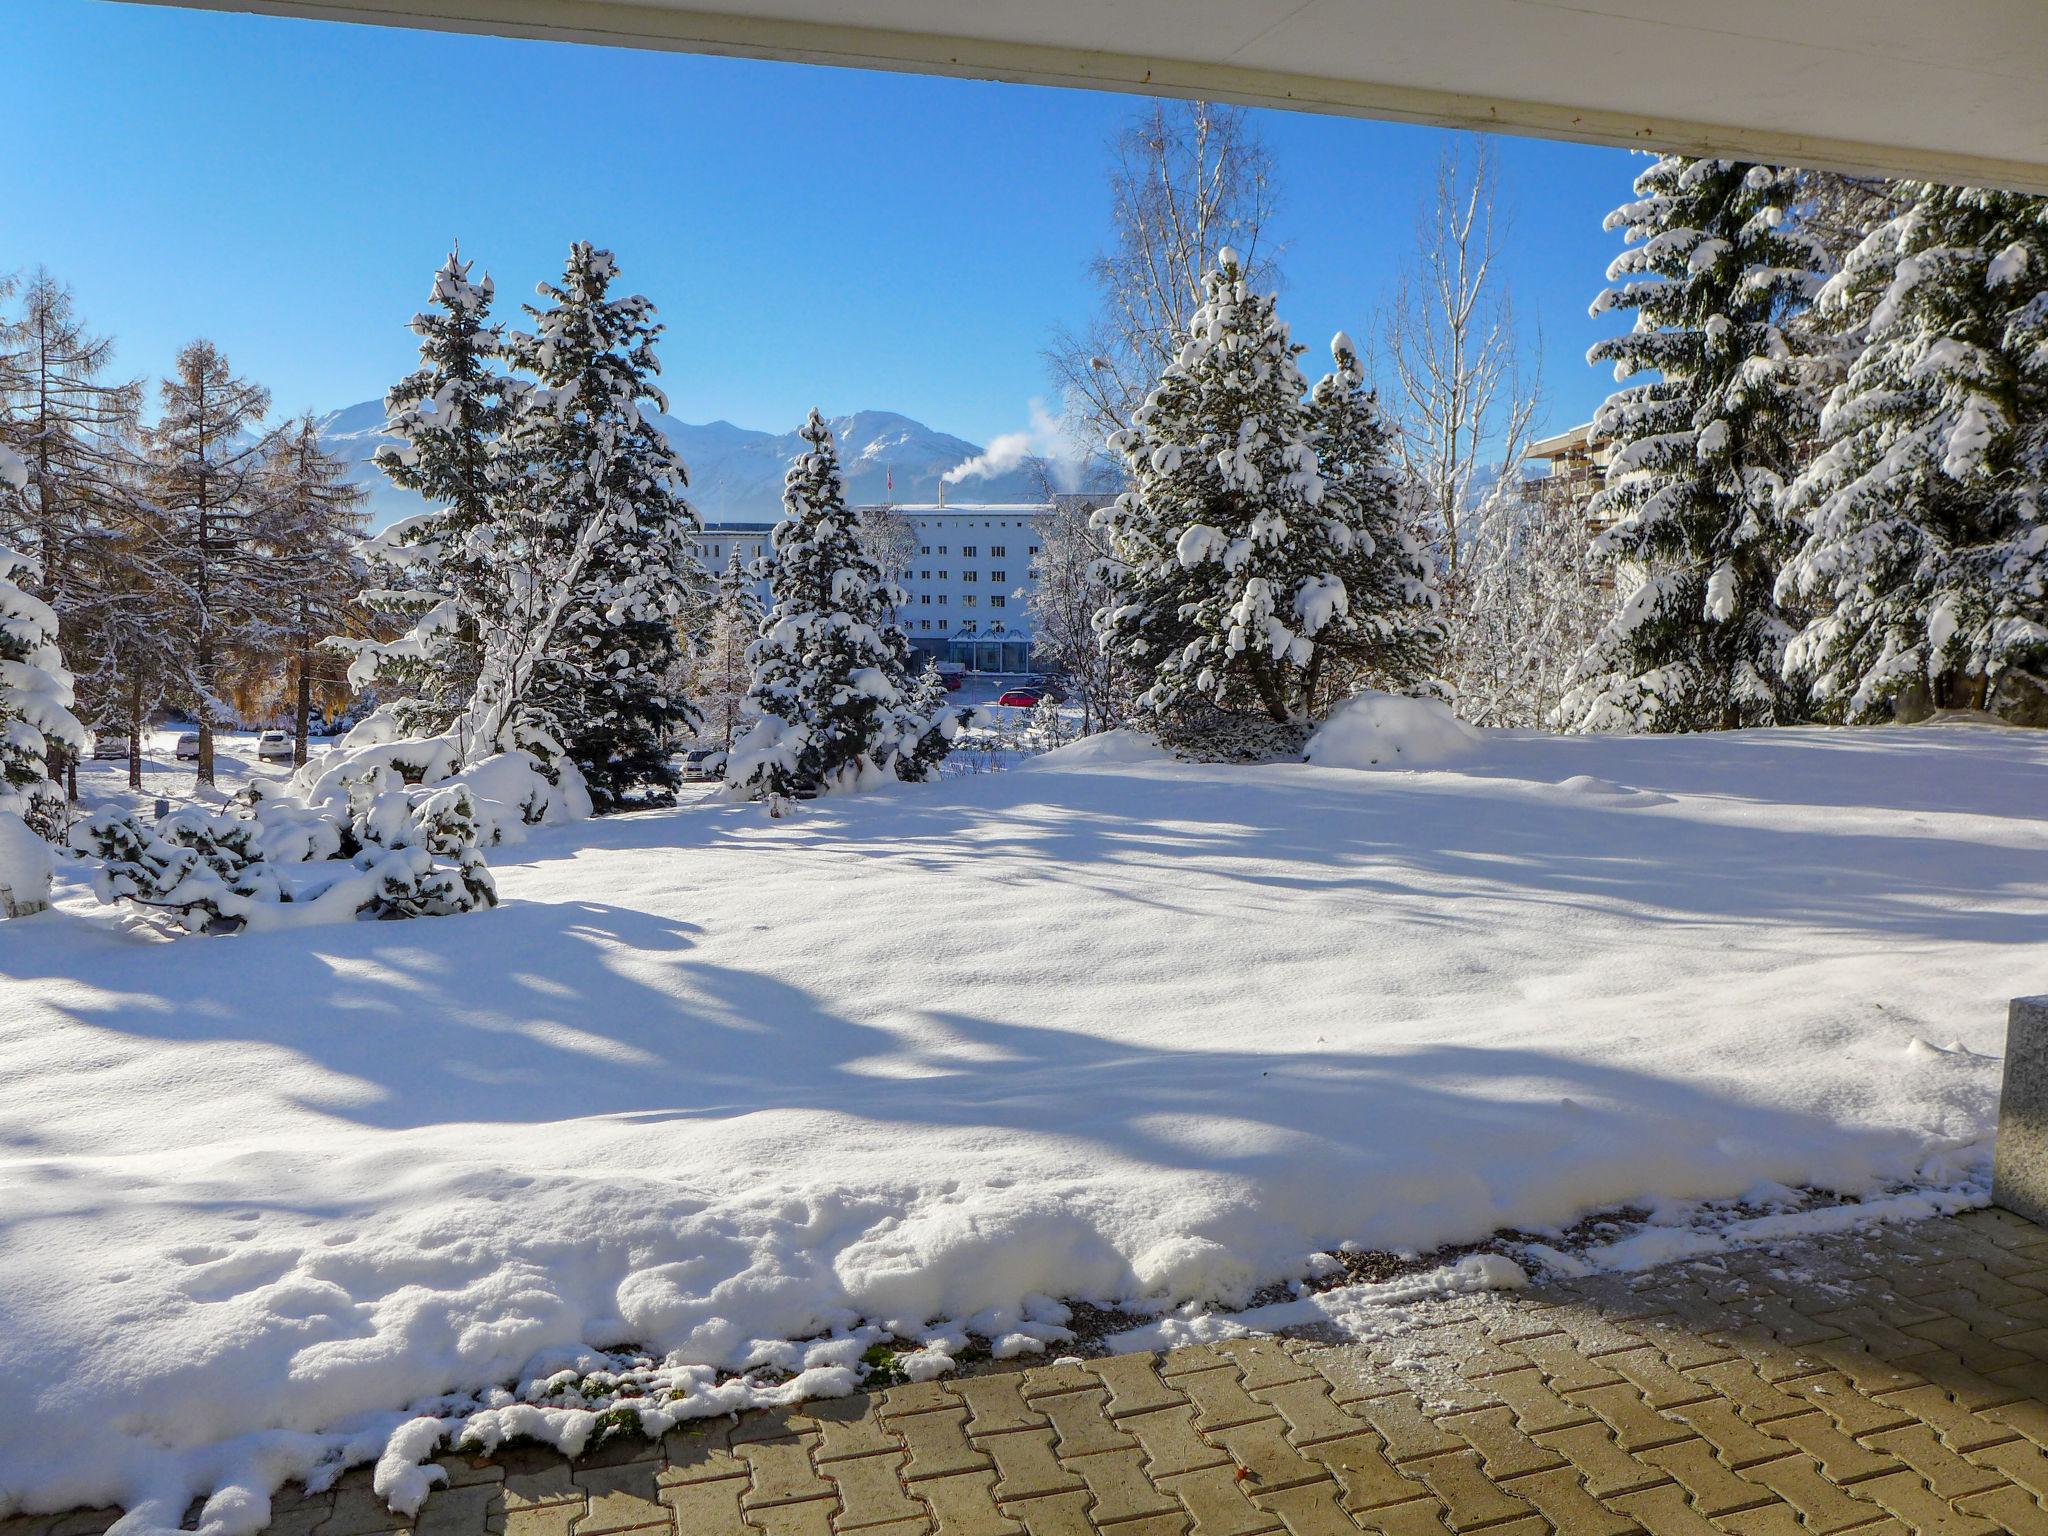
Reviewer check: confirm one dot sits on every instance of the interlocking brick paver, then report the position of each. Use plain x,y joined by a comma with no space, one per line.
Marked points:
1080,1425
963,1504
1904,1495
810,1519
1841,1459
621,1499
708,1508
1707,1481
2013,1510
1419,1517
1401,1424
849,1426
1059,1514
870,1490
1170,1443
2021,1461
1735,1440
1365,1477
1264,1362
1220,1398
780,1472
938,1444
1605,1467
1026,1466
1135,1385
1121,1489
1216,1501
1958,1428
1267,1456
1310,1509
1636,1426
1535,1405
1562,1500
1310,1412
1504,1449
1470,1498
1822,1506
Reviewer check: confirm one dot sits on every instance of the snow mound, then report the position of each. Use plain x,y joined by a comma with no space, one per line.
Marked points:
1385,730
1605,792
1124,747
26,867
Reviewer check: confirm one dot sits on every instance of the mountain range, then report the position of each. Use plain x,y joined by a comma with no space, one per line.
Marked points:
736,472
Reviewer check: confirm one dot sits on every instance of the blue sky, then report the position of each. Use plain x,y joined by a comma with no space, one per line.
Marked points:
851,239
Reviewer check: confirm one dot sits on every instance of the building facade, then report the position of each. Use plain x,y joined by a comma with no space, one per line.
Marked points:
967,584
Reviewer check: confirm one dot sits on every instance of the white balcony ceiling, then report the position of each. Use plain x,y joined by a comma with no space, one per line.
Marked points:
1952,89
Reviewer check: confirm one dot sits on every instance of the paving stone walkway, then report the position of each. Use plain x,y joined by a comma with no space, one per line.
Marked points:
1881,1382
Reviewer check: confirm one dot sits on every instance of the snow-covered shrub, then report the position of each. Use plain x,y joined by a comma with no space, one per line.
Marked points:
206,871
1384,730
35,692
26,868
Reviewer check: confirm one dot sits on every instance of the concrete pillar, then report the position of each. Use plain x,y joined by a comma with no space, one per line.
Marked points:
2020,1181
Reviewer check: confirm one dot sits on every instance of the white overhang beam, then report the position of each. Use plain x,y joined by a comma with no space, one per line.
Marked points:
1953,90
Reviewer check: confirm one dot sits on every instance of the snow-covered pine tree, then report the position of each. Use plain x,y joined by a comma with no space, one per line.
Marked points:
830,680
1389,633
35,689
205,482
719,673
1248,578
1927,513
449,415
589,456
1715,271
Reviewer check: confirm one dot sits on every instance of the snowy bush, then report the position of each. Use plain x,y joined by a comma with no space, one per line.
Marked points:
1384,730
395,853
35,691
26,868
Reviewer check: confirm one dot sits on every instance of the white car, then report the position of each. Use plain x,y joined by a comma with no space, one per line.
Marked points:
187,749
274,746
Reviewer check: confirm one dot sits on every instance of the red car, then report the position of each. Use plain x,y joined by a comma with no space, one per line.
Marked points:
1021,698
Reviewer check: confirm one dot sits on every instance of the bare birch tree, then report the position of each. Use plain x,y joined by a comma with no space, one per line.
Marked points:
1461,388
1185,178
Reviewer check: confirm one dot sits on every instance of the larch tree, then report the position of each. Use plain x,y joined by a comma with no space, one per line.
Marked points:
719,673
70,425
1702,453
310,523
449,415
1926,515
831,693
206,484
1248,578
591,458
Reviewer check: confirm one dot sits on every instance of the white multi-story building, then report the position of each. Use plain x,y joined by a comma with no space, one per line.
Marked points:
967,586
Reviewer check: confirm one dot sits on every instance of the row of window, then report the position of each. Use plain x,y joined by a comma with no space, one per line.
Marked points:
996,551
996,600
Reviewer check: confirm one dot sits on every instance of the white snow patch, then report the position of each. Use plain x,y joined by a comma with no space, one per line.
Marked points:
1386,730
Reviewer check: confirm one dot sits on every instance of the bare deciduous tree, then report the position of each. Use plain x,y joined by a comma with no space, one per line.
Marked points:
888,538
1464,393
1185,178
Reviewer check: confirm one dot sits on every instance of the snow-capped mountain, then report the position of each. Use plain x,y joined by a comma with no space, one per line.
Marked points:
736,472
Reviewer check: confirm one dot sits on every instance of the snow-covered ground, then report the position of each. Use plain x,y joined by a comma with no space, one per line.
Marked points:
1107,1026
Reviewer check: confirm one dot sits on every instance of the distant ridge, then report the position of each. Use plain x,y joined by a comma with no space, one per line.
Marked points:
736,472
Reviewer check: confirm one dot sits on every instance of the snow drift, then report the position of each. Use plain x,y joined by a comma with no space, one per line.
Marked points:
731,1090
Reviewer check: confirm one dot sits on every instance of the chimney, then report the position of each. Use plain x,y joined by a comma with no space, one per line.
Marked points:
942,493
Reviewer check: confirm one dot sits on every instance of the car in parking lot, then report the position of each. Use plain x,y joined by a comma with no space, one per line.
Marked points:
187,749
703,765
110,749
274,746
1021,698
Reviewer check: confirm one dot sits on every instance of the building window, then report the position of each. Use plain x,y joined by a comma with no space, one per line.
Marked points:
1034,550
967,601
924,549
924,623
942,550
924,575
967,550
967,628
926,599
996,550
970,576
997,577
996,601
942,599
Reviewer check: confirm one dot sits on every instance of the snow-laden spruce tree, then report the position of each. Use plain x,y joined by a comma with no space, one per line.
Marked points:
1701,453
35,688
448,415
831,688
1250,580
589,458
1927,513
